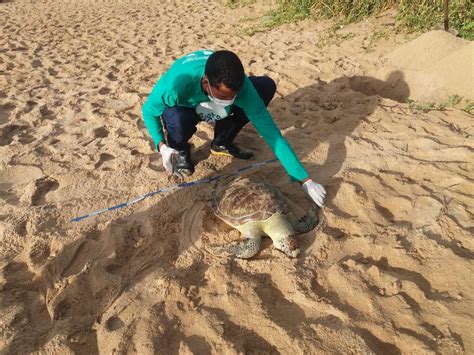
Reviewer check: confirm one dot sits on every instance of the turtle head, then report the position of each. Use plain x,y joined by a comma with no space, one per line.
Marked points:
287,245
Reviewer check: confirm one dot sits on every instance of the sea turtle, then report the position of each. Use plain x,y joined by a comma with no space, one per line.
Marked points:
256,209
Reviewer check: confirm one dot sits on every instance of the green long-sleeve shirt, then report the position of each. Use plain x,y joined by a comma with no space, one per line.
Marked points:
181,86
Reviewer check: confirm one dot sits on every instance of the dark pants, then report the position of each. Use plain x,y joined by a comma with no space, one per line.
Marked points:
180,122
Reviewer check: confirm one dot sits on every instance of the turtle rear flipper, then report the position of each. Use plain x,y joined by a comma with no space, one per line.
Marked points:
245,249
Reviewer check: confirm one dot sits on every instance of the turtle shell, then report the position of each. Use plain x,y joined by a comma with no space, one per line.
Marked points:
238,200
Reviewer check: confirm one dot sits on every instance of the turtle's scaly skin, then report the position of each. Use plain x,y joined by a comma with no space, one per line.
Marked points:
255,209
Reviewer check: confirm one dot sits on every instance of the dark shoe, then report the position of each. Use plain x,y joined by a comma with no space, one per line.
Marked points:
182,163
230,150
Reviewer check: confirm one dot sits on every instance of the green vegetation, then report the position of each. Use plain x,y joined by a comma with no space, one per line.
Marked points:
376,35
454,101
426,106
424,14
347,10
469,108
331,36
236,3
461,102
413,15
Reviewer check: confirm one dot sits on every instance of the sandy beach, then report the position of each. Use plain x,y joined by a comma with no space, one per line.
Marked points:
389,269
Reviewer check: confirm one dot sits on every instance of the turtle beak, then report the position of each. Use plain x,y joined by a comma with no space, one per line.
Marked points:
294,253
289,246
293,250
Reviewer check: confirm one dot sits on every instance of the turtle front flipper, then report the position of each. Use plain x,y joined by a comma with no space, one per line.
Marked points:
245,249
306,223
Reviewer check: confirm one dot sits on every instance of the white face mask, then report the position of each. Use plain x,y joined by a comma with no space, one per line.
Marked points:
217,101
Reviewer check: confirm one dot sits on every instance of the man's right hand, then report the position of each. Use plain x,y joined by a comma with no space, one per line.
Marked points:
167,157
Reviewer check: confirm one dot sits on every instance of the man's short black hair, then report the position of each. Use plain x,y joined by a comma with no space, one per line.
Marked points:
224,67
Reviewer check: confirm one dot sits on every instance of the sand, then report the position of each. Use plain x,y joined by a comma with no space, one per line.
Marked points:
388,270
436,65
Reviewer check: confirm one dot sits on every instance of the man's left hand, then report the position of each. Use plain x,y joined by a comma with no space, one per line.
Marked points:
315,191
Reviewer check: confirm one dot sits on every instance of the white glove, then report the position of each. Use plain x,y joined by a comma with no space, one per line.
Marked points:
315,191
167,157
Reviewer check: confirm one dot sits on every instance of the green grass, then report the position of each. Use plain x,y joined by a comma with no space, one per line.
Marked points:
422,15
412,15
237,3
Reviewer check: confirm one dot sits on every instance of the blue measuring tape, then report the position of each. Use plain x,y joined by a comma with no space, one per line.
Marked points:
174,187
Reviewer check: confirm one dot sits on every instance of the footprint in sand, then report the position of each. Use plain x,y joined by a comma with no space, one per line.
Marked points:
36,63
100,132
30,105
104,91
8,197
46,113
8,133
17,272
43,187
5,112
111,76
155,163
104,157
114,323
346,66
39,252
52,72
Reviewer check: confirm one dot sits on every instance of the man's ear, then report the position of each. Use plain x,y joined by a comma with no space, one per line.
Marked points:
205,83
